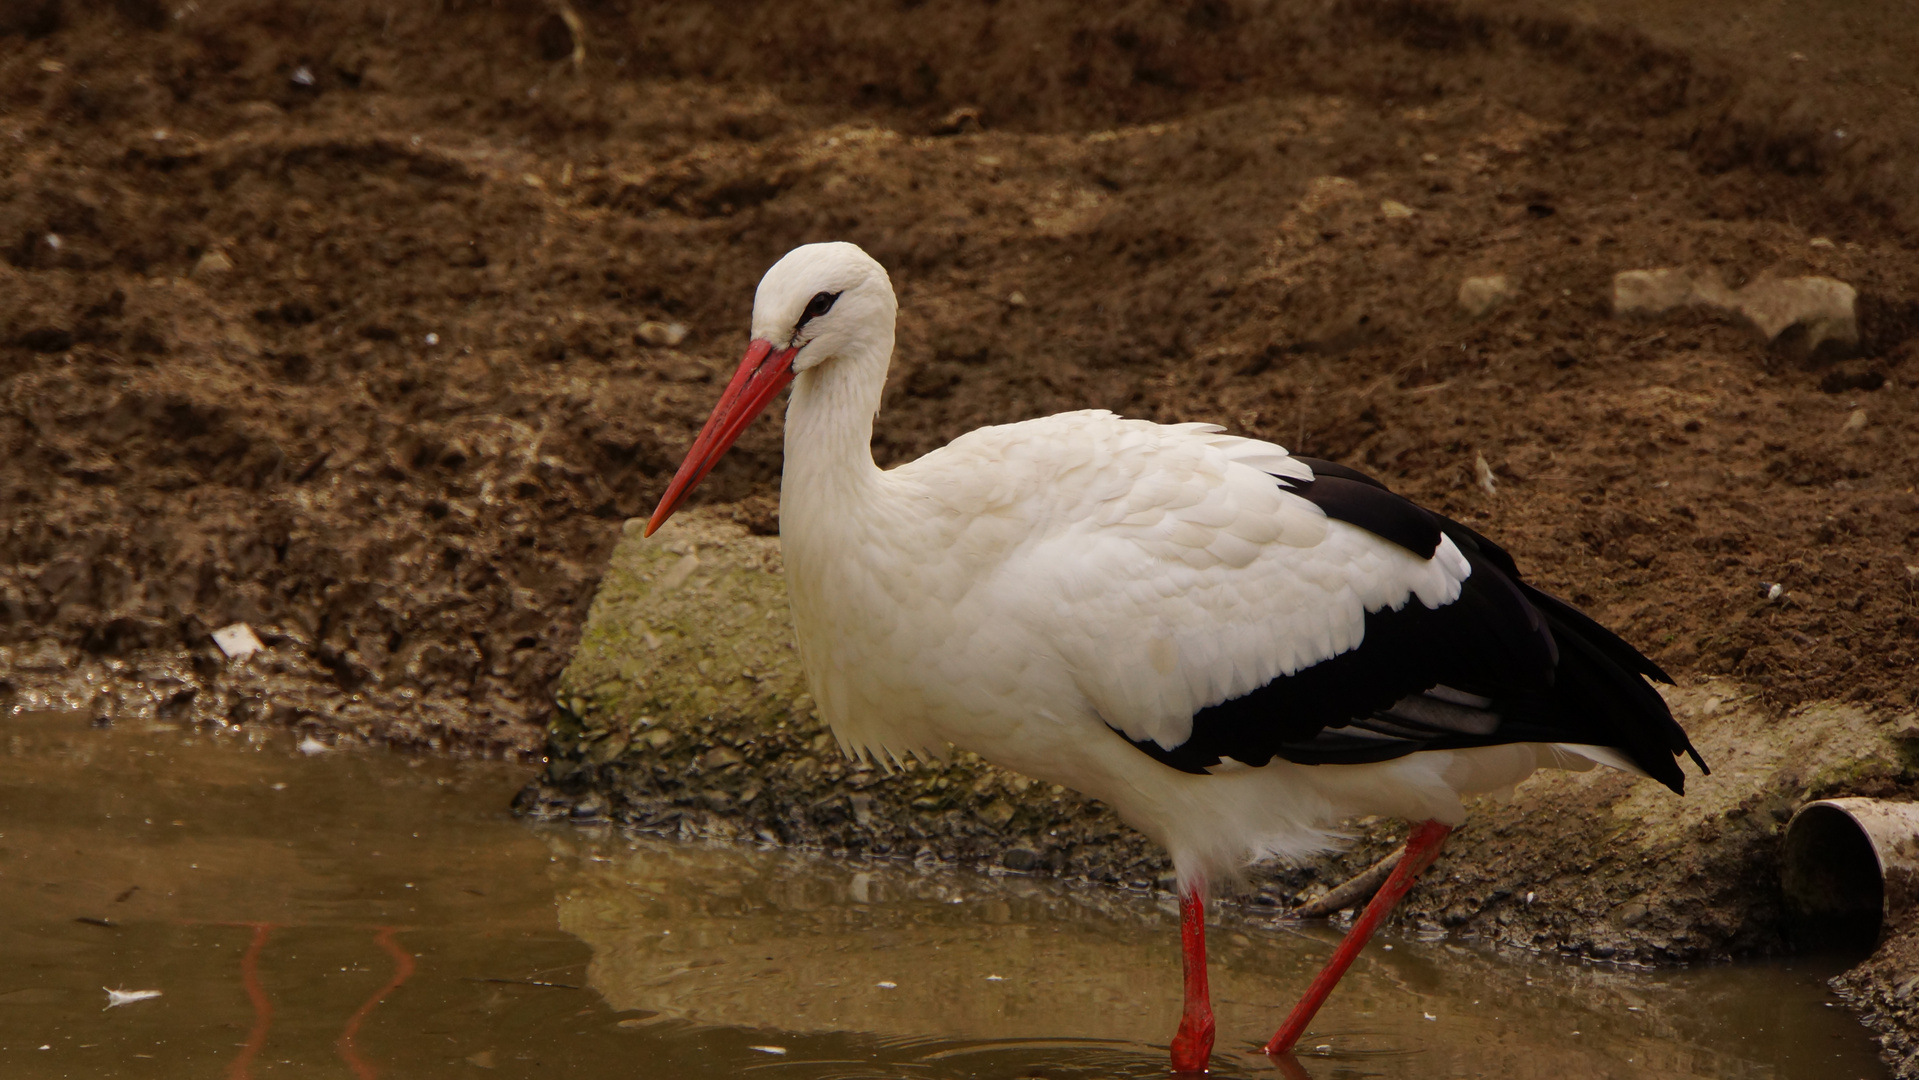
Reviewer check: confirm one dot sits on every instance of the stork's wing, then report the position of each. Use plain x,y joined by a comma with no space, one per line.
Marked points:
1218,599
1503,663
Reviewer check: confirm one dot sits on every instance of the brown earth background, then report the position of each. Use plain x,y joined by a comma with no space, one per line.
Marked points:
348,320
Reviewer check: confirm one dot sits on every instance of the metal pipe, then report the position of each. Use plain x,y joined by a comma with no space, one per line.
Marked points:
1849,869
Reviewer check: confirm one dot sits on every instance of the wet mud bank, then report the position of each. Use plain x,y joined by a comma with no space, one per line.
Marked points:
367,326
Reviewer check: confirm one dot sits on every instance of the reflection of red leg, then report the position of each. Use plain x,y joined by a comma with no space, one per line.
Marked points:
242,1067
1193,1045
1422,847
402,971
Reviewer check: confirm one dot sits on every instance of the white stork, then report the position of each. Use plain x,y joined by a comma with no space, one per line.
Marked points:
1235,648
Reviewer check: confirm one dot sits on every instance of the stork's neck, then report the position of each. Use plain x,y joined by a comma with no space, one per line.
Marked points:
829,426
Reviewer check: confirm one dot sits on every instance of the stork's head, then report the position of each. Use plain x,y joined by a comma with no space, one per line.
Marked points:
819,302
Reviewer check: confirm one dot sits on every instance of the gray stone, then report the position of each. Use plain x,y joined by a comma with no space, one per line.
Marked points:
721,757
664,335
1822,306
1651,292
1819,312
1020,859
996,813
213,263
1478,295
1630,913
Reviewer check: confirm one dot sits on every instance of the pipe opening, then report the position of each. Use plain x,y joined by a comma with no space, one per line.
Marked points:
1833,883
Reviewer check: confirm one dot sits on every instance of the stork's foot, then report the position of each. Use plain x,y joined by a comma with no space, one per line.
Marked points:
1193,1044
1422,847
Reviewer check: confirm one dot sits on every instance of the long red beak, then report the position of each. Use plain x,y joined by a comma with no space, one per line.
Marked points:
762,375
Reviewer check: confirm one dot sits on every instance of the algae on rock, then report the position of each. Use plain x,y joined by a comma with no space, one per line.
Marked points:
691,625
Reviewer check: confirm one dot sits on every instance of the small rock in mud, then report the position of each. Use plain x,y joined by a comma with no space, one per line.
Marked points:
1631,913
662,334
1820,308
1478,295
1650,292
1798,315
1020,859
213,263
996,813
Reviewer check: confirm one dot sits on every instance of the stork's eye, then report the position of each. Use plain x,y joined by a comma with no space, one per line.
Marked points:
819,305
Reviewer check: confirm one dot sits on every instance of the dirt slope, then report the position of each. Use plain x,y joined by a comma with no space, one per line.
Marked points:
326,319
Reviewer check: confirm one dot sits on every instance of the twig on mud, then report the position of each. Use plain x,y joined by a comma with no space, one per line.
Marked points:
1351,892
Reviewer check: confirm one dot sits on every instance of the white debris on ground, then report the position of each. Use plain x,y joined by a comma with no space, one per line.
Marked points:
1483,475
311,746
237,641
769,1049
117,998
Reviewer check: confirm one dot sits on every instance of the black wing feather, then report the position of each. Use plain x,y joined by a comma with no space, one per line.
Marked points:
1504,663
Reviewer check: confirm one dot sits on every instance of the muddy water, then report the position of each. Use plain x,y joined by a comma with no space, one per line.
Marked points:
359,915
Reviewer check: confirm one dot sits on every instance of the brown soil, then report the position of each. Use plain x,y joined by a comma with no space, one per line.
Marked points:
396,434
328,318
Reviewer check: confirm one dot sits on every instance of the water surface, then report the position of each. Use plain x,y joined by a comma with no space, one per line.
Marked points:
359,914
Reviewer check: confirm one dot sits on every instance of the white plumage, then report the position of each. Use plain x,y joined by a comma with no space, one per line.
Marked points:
1026,587
1063,595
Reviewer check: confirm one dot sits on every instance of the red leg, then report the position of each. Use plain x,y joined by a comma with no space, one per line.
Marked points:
402,971
242,1067
1422,847
1193,1045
